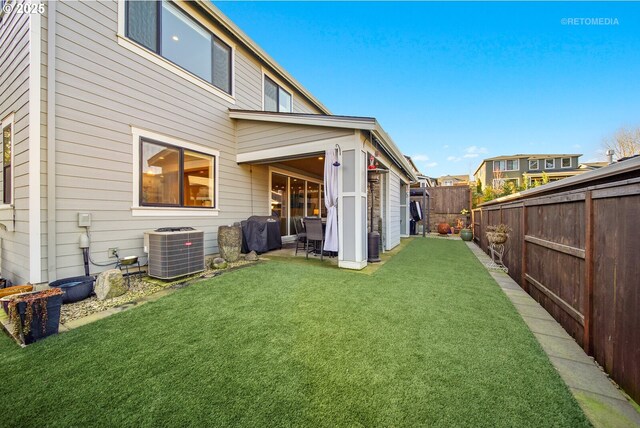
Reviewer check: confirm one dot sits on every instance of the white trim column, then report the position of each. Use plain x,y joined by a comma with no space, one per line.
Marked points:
352,206
35,88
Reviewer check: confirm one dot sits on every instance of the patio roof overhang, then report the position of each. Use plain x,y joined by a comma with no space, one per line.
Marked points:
318,121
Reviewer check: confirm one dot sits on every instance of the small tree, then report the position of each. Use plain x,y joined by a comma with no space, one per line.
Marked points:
545,177
624,143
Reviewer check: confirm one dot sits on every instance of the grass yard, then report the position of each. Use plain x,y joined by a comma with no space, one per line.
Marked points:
427,340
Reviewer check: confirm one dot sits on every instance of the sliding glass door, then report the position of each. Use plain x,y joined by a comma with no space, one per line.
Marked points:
280,199
295,196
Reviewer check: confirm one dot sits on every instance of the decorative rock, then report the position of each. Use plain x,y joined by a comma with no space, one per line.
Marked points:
219,263
110,284
230,242
251,257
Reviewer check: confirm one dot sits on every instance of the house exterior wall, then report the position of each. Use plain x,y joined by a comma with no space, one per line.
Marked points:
393,235
103,90
255,136
14,100
486,171
106,94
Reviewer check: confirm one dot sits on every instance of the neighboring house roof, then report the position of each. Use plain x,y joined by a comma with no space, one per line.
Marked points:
333,121
454,177
592,165
253,47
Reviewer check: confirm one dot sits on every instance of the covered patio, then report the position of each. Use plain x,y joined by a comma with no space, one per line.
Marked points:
301,150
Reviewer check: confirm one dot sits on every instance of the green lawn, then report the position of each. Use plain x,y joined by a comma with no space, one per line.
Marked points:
427,340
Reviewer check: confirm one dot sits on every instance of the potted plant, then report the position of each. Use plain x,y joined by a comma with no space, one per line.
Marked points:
498,234
466,233
35,315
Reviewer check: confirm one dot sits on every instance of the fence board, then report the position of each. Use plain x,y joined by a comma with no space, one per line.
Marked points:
449,199
579,251
616,291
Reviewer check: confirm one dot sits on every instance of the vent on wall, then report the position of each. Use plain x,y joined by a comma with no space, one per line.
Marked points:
174,252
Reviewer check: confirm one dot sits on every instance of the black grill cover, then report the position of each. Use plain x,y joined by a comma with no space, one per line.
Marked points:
261,234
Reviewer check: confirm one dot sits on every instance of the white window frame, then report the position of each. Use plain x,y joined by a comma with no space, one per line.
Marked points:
447,183
277,82
143,211
565,167
537,168
517,165
552,160
126,43
10,121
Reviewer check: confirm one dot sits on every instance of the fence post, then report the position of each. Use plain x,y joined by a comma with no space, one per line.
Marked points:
588,273
523,227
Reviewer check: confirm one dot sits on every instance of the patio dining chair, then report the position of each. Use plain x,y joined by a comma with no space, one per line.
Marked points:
301,235
315,234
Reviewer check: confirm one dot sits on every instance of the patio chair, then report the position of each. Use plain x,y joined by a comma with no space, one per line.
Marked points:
314,234
301,235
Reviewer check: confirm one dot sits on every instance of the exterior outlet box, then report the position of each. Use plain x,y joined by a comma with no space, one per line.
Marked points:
84,219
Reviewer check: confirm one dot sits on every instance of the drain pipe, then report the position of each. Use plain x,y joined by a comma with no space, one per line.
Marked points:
51,142
84,244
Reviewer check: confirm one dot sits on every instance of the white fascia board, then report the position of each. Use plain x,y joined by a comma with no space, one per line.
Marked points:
292,151
297,119
393,149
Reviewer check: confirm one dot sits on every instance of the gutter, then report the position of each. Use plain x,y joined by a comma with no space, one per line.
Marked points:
394,152
51,142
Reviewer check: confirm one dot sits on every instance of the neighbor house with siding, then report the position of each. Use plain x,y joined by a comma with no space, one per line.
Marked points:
496,171
155,114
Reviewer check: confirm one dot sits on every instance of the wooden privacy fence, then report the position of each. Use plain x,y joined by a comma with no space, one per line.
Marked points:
577,253
447,202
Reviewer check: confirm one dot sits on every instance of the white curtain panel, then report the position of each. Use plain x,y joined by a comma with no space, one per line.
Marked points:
331,200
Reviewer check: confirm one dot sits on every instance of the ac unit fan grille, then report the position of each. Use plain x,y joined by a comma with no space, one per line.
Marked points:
175,254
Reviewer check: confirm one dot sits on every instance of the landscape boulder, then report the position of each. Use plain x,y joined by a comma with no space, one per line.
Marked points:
219,263
110,284
230,242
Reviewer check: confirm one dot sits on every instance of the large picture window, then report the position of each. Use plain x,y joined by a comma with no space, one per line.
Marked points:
166,30
275,97
176,177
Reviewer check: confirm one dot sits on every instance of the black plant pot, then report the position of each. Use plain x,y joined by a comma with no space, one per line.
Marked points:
54,303
75,288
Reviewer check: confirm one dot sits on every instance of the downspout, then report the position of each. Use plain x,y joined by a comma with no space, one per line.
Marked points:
51,141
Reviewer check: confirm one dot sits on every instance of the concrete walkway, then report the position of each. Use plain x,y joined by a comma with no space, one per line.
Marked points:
602,402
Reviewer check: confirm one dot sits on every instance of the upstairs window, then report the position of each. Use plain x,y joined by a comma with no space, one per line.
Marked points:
275,97
173,176
534,165
506,165
166,30
565,162
549,163
7,173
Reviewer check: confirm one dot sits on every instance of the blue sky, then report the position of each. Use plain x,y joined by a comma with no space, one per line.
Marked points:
454,83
